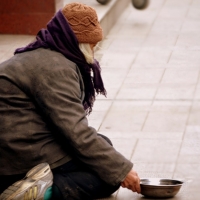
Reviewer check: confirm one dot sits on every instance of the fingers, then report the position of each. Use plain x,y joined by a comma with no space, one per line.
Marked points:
135,183
132,182
123,184
137,186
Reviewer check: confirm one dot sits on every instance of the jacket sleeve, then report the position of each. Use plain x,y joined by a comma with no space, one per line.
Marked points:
58,95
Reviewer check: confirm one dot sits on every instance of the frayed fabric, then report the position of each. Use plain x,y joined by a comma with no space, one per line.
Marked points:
58,36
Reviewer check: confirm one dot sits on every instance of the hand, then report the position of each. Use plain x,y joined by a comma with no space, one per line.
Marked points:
132,182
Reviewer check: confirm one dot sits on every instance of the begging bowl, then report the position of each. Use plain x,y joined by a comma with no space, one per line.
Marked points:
160,188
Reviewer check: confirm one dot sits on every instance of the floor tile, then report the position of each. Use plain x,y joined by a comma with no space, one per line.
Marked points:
144,75
137,91
153,55
125,146
175,92
168,121
156,151
190,151
123,117
180,76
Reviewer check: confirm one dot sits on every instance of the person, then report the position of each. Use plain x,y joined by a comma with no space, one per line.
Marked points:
48,88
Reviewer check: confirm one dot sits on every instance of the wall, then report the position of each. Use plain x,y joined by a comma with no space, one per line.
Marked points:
25,16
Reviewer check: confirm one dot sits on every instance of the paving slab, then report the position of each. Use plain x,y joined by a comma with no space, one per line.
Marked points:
155,101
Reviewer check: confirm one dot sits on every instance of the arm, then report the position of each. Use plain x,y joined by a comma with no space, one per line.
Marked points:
57,94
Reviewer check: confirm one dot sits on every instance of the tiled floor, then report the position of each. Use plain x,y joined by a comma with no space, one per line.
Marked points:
150,64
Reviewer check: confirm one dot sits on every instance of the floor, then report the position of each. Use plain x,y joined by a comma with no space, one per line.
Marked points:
150,64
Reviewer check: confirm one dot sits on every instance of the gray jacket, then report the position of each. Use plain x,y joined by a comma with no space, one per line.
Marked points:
42,118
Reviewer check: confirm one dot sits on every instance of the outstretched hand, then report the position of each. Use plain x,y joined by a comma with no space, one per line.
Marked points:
132,182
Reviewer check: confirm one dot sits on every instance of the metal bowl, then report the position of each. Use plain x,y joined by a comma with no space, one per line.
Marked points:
160,188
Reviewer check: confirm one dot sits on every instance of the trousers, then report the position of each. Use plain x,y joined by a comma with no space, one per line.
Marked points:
76,182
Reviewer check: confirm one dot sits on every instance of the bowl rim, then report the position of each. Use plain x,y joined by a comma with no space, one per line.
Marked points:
179,182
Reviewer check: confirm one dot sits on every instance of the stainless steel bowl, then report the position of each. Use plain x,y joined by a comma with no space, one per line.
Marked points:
160,188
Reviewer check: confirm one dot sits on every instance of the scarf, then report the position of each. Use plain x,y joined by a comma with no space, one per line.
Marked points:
59,36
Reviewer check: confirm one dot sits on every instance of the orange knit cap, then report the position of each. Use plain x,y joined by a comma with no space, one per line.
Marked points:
84,22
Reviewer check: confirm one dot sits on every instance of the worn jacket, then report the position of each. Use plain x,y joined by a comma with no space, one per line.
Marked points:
42,118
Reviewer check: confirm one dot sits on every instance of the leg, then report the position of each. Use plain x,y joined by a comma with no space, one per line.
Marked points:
105,138
75,182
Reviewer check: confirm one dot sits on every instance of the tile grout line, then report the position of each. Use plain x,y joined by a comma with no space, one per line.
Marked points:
112,100
192,101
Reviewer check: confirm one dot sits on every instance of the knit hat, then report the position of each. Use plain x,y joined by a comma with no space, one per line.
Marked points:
84,22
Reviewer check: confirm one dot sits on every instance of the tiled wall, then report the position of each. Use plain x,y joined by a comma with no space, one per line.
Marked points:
25,16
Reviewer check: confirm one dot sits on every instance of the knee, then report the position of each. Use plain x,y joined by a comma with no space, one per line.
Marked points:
105,138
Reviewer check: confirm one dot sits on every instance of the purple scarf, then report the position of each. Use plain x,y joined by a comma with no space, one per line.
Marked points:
59,37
